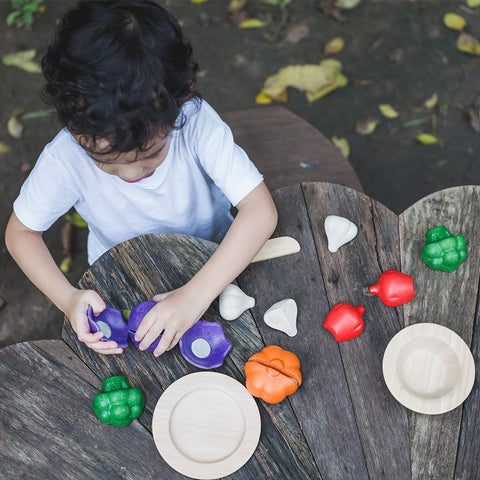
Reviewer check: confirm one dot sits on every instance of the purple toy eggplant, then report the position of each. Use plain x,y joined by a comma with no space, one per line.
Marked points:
205,345
135,319
111,323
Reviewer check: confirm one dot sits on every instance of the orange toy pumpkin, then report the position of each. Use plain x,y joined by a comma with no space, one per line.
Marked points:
272,374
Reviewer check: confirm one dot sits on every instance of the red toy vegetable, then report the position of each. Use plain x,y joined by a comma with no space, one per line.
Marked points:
394,288
345,322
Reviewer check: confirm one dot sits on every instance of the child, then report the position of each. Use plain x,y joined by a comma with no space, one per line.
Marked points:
141,152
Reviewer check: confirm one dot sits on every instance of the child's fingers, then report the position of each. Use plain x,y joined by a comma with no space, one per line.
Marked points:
167,338
87,337
161,296
175,340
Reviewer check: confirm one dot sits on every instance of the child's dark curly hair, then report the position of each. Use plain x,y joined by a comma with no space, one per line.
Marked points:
118,70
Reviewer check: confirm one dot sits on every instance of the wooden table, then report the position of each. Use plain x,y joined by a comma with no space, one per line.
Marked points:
342,423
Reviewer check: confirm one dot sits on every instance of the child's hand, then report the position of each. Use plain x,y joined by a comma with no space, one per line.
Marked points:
173,315
76,311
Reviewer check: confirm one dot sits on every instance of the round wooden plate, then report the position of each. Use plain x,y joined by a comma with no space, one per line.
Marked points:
428,368
206,425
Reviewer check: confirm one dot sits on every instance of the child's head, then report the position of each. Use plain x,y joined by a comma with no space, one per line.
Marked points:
118,70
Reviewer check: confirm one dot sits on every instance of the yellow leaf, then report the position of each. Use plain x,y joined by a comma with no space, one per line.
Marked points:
427,139
334,46
198,2
347,4
388,111
251,23
468,44
366,126
454,21
236,5
31,67
262,99
342,144
473,3
341,81
432,101
14,127
66,264
4,148
75,219
315,80
16,59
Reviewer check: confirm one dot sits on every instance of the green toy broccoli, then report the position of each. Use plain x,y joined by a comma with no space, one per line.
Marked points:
118,404
443,251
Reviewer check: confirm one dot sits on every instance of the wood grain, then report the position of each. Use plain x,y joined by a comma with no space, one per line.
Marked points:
280,142
49,430
345,274
322,403
136,270
449,299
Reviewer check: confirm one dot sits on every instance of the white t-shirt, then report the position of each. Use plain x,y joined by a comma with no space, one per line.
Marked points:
190,192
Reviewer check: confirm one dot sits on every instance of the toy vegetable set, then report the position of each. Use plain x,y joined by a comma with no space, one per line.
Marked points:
273,373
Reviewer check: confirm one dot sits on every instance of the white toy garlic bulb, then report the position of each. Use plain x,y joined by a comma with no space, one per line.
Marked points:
339,231
283,316
233,302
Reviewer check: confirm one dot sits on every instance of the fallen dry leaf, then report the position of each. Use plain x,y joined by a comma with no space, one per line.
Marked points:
335,45
328,7
431,102
388,111
75,219
342,144
474,119
297,33
347,4
454,21
22,59
14,127
262,99
427,139
468,44
366,126
251,23
315,80
66,264
236,5
4,148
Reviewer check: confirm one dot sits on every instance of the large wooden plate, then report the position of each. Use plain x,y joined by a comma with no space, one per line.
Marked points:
428,368
206,425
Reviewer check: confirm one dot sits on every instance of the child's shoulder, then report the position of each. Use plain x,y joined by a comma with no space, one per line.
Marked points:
62,143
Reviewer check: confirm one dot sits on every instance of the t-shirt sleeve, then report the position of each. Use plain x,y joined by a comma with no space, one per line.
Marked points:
224,161
46,194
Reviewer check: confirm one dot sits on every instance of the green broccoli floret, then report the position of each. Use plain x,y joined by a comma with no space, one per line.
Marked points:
118,404
443,251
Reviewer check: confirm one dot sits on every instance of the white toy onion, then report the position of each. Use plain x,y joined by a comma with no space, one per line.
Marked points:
339,231
233,302
283,316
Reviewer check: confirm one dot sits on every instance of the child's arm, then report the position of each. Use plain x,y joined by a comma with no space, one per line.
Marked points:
179,310
33,257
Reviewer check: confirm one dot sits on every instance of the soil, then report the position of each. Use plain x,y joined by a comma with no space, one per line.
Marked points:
396,52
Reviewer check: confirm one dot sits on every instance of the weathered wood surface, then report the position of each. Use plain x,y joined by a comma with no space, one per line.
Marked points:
449,299
278,142
49,431
342,423
136,270
322,403
346,274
